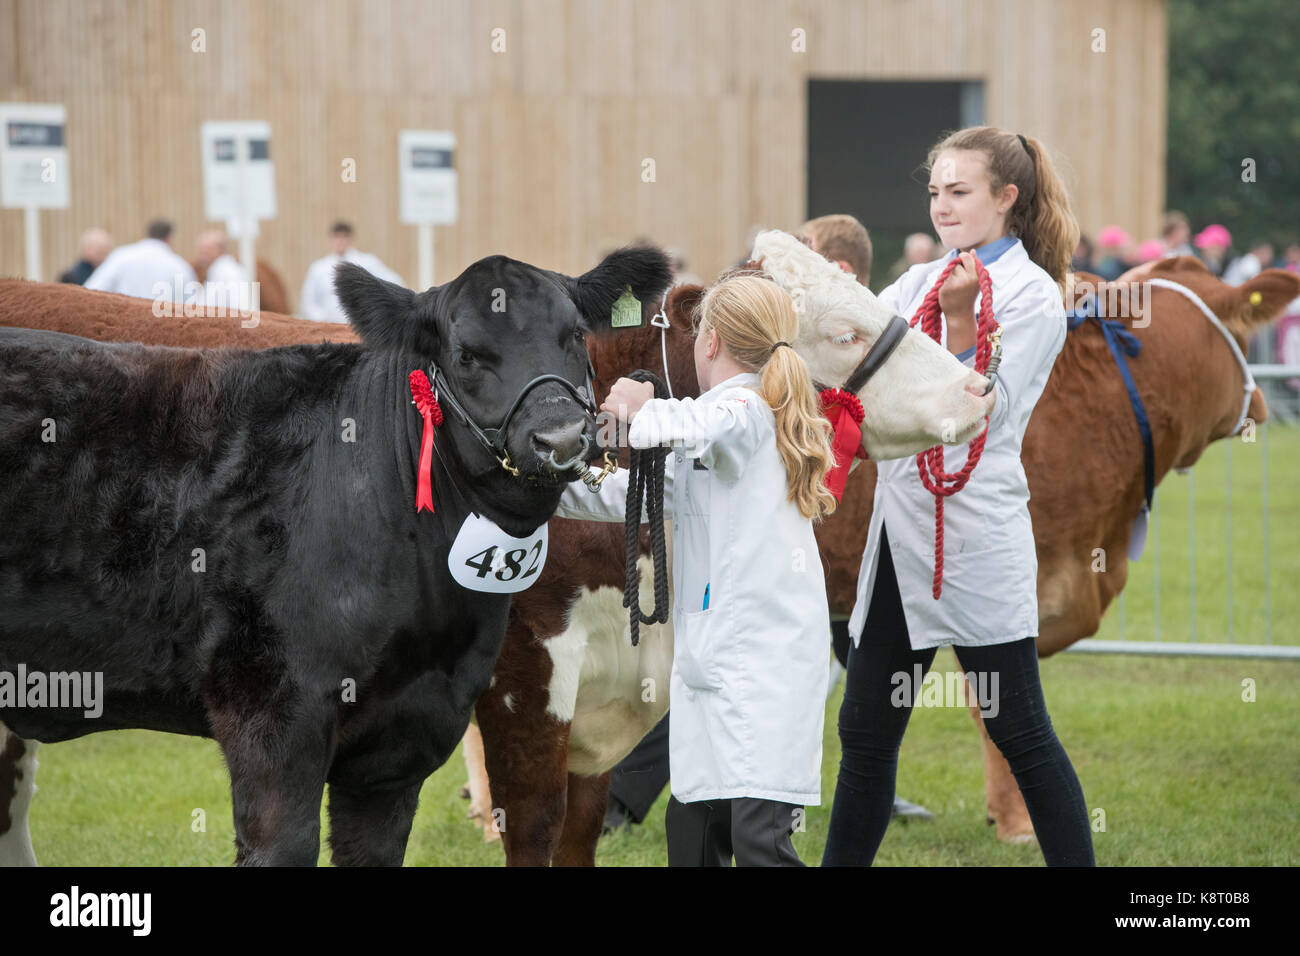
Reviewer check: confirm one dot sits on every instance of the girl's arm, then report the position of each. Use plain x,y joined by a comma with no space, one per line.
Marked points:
722,435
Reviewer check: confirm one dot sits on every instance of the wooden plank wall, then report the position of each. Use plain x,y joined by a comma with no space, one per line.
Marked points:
553,131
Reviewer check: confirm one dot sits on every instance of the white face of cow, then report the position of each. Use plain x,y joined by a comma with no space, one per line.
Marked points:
922,396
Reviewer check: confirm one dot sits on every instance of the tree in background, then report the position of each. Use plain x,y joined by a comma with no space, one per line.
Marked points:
1234,95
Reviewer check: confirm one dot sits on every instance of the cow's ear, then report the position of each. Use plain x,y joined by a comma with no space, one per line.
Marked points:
386,315
681,305
644,269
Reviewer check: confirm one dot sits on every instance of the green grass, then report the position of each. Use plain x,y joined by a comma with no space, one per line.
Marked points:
1186,772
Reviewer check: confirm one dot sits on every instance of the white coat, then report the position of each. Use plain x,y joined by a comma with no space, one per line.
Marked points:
147,269
748,685
226,285
990,570
318,299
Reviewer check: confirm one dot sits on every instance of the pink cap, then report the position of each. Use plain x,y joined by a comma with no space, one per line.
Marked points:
1112,236
1213,235
1150,249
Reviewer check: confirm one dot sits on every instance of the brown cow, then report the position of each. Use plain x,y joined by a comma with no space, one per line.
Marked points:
110,317
1082,454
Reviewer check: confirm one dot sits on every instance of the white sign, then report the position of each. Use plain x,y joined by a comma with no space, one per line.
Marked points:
33,157
427,174
484,558
238,174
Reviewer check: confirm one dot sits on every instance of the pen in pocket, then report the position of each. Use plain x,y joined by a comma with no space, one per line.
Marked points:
706,598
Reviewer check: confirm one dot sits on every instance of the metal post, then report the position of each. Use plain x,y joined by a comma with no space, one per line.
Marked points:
32,228
424,232
247,246
1155,534
1268,569
1191,553
1227,523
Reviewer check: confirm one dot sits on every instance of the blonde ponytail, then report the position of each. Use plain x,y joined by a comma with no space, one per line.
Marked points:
755,319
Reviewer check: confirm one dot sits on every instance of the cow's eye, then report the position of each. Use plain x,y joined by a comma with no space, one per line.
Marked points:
845,338
466,358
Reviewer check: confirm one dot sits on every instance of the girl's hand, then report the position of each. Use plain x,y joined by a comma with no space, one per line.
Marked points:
957,296
626,398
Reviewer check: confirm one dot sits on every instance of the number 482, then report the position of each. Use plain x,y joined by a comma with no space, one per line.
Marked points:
510,565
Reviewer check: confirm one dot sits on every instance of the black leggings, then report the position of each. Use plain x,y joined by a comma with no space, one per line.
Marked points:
871,731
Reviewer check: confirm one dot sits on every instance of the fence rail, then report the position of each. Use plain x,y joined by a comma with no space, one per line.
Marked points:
1216,545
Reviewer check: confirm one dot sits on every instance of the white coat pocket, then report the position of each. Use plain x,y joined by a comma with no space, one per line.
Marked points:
696,654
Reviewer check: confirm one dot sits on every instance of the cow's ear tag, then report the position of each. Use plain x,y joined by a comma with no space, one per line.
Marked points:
627,311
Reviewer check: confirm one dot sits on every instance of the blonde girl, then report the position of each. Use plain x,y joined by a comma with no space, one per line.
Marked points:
744,486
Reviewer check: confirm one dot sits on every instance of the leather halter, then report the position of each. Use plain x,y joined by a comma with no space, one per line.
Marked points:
880,350
494,439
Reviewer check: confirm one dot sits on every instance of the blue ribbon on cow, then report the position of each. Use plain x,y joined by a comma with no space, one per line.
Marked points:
1121,342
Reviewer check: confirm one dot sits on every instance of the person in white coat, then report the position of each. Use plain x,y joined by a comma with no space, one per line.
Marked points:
148,269
742,486
225,282
995,196
318,299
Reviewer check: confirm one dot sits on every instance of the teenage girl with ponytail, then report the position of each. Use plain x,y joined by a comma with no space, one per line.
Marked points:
743,487
995,196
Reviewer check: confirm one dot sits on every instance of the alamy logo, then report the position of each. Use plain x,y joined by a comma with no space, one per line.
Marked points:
75,908
22,688
945,690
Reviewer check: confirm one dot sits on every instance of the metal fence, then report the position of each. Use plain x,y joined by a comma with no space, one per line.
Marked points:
1221,573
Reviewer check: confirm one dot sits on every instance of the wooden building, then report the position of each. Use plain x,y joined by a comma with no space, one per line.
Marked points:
564,109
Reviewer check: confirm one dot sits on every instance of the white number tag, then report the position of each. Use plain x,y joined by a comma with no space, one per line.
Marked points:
484,558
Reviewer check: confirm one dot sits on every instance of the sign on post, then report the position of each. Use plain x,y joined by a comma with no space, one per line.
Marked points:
239,186
238,174
427,176
33,168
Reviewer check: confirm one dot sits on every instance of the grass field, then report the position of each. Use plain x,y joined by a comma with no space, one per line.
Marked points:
1186,772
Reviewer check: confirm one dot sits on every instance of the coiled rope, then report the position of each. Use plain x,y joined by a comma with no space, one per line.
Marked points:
645,482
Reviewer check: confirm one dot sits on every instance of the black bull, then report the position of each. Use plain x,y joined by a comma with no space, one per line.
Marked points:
230,537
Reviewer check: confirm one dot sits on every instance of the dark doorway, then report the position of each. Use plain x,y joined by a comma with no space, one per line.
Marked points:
867,142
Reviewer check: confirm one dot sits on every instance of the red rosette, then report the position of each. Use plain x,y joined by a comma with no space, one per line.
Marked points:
427,406
845,413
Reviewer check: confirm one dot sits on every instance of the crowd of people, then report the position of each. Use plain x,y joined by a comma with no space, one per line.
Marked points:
147,267
1115,252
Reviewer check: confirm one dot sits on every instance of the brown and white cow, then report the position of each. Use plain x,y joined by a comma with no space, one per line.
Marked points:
109,317
1083,457
571,696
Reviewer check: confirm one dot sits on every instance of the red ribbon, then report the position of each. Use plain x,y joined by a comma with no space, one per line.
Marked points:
843,410
427,405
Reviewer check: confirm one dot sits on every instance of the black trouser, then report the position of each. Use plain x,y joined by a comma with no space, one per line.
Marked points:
871,732
709,832
642,775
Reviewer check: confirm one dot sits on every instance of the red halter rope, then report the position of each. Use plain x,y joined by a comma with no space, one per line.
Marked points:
929,463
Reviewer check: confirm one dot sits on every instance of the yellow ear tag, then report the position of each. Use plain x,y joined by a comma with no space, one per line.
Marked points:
627,311
1256,298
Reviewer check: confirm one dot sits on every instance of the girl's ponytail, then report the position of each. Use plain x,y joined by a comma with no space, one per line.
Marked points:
802,434
755,319
1048,227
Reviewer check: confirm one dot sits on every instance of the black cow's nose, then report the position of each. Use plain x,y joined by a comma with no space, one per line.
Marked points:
560,445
